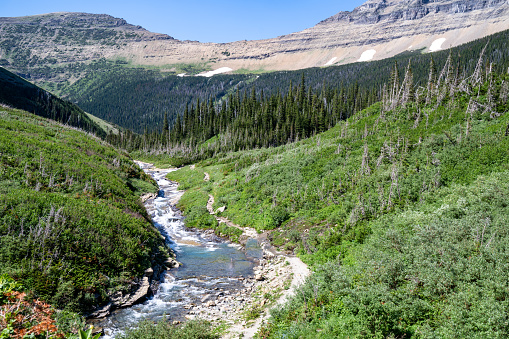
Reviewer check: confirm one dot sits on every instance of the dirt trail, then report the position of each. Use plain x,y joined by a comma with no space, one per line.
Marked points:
246,231
299,272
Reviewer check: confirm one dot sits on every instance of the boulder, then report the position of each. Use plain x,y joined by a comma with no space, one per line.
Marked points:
220,210
259,277
148,196
102,312
149,272
140,294
172,263
118,299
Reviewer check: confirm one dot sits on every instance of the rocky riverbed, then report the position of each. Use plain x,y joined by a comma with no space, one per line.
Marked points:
232,286
275,279
272,277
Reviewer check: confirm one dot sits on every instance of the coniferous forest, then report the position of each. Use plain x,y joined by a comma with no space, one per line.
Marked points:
19,93
261,117
139,99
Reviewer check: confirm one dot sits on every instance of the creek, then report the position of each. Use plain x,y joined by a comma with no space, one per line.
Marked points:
209,265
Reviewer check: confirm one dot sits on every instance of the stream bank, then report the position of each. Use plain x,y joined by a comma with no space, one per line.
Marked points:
276,278
207,265
232,286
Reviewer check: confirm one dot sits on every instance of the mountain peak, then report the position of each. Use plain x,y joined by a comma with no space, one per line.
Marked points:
81,21
375,30
374,11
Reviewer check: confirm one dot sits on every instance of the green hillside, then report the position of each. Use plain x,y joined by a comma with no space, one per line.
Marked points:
401,210
72,227
18,93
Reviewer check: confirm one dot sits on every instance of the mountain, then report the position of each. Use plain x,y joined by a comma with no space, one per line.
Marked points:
18,93
60,47
373,31
139,99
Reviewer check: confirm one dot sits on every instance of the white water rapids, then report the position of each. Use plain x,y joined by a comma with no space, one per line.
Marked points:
209,264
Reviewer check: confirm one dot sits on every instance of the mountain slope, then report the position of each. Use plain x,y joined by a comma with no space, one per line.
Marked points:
18,93
401,209
138,99
73,230
60,46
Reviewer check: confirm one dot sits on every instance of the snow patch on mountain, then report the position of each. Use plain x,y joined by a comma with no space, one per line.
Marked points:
367,55
436,45
214,72
331,61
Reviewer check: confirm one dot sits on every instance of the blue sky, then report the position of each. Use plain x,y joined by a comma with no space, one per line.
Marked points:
202,20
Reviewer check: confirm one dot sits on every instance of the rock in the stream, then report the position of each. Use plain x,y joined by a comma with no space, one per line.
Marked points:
149,272
148,196
140,294
206,298
172,263
102,312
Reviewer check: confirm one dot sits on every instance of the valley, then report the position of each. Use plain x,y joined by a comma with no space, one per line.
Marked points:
348,180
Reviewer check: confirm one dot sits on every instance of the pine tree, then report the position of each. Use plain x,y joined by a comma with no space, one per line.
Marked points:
407,88
430,87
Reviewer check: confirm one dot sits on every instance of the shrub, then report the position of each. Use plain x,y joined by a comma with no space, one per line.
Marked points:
278,215
162,330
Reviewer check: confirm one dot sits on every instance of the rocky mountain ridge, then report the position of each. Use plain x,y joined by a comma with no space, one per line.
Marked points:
374,11
42,46
79,22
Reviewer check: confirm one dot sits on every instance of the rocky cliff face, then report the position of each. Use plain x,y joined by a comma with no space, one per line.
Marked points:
53,24
374,11
377,29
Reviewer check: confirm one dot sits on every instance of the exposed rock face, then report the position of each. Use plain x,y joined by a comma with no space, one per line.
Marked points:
382,27
79,23
374,11
141,289
141,293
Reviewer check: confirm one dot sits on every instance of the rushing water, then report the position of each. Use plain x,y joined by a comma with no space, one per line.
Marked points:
208,264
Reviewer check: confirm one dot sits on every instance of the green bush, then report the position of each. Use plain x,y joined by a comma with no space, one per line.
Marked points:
163,330
278,215
434,271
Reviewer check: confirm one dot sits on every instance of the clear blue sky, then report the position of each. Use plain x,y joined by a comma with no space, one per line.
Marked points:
202,20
